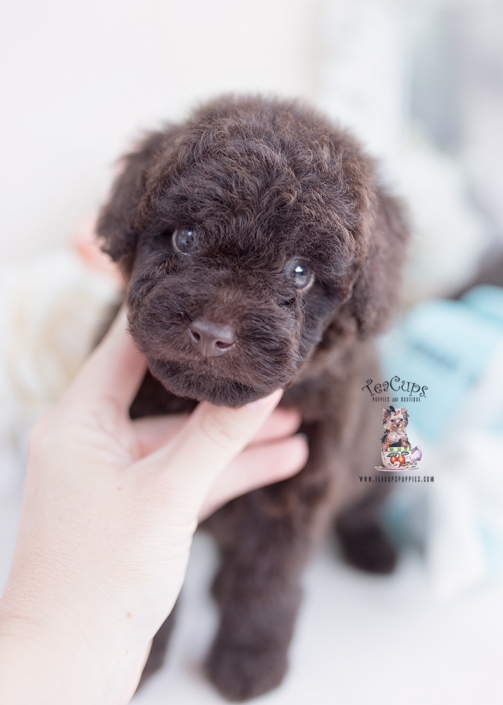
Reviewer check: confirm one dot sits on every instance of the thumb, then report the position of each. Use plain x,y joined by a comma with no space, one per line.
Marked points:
211,438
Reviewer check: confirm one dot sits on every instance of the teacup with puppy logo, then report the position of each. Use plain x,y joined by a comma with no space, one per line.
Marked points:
396,450
399,458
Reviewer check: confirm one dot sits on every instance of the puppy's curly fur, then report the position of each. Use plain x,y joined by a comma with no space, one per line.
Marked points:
271,195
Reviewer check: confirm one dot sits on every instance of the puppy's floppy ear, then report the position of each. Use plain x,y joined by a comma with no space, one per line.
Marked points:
382,234
376,291
117,226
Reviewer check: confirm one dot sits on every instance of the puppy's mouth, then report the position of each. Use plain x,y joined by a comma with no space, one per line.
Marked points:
203,385
229,364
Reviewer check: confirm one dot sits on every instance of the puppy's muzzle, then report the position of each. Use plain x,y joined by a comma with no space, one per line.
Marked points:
211,339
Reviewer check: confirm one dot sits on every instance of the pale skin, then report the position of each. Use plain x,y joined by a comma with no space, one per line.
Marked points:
109,511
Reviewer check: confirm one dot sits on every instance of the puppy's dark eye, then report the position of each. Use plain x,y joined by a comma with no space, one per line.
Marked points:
185,240
300,273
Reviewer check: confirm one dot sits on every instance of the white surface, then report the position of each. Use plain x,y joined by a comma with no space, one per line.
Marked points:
359,640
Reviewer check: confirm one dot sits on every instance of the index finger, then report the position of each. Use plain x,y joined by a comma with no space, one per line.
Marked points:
114,370
211,438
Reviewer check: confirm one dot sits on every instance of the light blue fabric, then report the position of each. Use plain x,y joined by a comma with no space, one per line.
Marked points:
487,301
446,346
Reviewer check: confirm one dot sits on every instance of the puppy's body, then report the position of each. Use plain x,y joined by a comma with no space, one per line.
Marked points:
256,241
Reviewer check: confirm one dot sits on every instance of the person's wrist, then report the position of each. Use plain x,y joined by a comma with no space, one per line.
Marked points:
66,663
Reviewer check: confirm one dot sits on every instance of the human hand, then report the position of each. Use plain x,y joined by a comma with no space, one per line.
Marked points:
109,511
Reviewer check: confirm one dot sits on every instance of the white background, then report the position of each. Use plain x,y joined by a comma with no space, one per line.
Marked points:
78,80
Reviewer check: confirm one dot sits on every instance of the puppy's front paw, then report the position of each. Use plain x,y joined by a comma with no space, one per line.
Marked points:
369,549
241,672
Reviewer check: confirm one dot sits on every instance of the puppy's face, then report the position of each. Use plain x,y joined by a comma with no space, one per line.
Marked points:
243,233
395,420
227,316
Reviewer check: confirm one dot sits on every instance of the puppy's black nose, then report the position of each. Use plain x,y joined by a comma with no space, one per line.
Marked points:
211,339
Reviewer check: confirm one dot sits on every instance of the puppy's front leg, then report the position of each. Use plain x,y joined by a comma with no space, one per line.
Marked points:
266,538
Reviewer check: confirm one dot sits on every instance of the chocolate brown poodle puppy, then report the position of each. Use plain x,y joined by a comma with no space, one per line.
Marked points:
257,241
